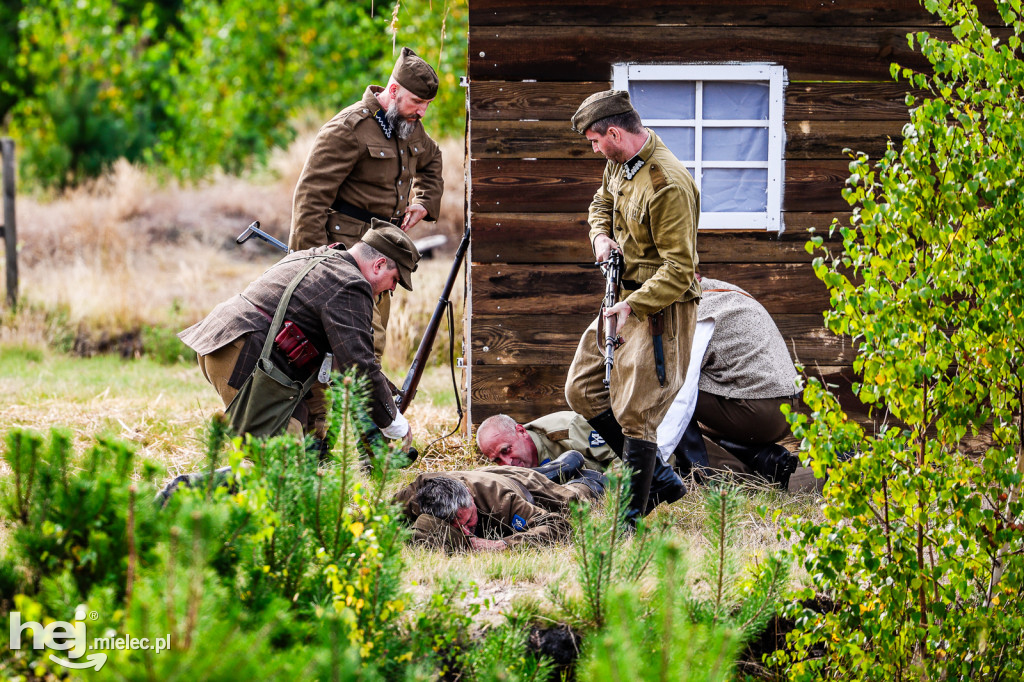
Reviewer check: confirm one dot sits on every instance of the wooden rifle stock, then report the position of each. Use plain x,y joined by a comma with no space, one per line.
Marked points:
419,362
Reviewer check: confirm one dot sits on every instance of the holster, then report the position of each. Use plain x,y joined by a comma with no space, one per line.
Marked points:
656,324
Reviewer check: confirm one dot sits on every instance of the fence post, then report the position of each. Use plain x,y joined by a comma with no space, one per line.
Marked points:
10,233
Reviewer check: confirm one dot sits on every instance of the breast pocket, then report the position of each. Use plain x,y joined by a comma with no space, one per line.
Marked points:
381,164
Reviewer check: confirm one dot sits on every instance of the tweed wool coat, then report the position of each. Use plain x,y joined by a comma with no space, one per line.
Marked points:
332,305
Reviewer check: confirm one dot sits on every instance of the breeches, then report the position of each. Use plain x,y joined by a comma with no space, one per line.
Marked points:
217,368
636,398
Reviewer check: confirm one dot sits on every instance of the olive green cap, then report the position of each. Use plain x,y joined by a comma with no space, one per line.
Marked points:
415,75
397,246
600,105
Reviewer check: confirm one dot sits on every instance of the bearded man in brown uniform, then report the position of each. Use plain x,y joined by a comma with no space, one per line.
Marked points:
372,160
492,508
647,207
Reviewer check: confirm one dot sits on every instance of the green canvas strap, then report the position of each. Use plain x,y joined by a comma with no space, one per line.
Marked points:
282,307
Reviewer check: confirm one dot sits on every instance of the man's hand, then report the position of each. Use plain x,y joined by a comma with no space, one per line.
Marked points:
484,545
620,311
413,214
603,245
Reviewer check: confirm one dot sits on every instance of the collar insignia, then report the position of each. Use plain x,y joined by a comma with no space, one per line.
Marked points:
382,121
633,166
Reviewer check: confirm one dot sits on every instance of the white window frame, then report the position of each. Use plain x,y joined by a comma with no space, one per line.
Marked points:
775,76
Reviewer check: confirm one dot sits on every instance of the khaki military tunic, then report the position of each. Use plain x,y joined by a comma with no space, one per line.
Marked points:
650,206
559,432
517,505
354,160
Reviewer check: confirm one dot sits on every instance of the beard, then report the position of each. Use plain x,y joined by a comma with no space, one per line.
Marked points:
403,127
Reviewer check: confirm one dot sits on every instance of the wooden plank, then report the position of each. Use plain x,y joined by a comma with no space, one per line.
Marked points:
586,53
562,238
814,101
527,339
657,13
565,186
513,289
550,340
526,393
515,387
10,231
805,139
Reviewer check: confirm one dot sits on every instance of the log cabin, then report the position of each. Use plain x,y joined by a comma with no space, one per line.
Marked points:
761,100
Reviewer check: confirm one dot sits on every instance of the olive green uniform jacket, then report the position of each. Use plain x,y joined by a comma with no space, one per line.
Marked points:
353,160
514,504
650,206
559,432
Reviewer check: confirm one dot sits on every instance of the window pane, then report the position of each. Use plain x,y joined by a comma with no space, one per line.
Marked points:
736,100
732,190
735,144
663,99
679,140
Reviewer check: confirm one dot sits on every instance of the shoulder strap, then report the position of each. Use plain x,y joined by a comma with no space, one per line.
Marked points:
282,306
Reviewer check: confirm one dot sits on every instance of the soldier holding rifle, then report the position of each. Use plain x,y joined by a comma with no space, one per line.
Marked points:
647,208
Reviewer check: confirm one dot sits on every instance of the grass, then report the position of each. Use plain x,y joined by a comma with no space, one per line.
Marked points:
128,262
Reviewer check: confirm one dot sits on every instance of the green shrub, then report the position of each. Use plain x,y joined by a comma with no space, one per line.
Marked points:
921,547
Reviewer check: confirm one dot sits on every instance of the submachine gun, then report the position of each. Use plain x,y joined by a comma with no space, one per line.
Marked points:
612,270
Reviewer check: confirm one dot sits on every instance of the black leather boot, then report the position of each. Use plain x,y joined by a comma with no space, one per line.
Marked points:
607,426
594,480
640,456
563,468
666,486
772,461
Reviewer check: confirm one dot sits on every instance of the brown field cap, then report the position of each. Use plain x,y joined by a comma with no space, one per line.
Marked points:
415,75
397,246
600,105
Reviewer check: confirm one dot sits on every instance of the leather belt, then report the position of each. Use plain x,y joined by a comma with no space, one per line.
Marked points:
345,208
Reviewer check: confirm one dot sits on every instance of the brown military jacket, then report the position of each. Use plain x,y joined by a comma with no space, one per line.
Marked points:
354,160
515,504
332,305
650,206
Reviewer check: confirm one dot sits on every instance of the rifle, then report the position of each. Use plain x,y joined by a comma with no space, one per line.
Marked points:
419,362
612,269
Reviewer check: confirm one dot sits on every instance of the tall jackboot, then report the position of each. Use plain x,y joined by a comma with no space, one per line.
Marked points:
666,486
563,468
640,456
607,426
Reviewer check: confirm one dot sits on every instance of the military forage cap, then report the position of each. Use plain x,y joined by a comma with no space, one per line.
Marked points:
415,75
600,105
397,246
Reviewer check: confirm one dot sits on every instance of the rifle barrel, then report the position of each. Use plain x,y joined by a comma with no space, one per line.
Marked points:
419,361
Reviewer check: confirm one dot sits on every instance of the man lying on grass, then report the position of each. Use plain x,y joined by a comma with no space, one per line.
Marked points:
493,508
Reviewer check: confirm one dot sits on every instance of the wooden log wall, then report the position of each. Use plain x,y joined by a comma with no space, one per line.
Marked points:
533,285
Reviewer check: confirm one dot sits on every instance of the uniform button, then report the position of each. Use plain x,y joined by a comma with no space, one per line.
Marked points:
400,196
403,167
401,151
366,111
337,227
399,182
415,149
382,153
